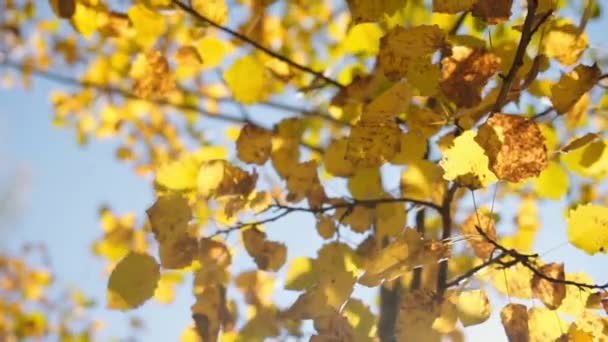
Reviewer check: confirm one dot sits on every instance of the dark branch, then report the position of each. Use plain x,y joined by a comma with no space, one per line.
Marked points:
446,222
528,261
199,17
471,272
531,25
350,205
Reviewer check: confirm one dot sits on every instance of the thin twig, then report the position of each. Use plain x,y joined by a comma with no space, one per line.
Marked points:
471,272
70,81
199,17
527,261
530,26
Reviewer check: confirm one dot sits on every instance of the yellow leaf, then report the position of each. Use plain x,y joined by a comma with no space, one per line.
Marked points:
254,144
188,55
363,39
514,319
335,160
179,175
165,292
371,144
310,304
301,274
545,325
302,179
589,326
85,20
424,121
390,219
133,281
388,263
366,183
580,142
575,301
401,46
515,147
423,180
588,228
473,307
389,104
218,178
563,42
151,75
424,75
466,162
576,116
452,6
148,25
418,311
549,292
413,148
212,50
552,183
573,85
169,217
247,80
513,281
360,318
214,10
366,11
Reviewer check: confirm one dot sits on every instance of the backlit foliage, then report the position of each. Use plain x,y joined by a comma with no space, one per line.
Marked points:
246,112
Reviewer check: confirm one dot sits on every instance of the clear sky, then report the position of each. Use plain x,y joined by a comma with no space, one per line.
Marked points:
66,183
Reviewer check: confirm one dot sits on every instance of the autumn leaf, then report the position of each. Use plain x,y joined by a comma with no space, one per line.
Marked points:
550,292
515,147
133,281
586,228
573,85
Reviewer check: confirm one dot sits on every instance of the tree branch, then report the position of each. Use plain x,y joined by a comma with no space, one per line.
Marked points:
58,78
199,17
471,272
527,261
446,222
530,26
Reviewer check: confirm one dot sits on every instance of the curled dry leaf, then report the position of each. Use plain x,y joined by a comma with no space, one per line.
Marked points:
515,146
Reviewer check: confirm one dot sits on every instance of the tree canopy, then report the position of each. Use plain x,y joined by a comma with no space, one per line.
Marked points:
409,130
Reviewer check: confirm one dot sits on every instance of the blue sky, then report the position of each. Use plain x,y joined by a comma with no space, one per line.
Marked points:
66,183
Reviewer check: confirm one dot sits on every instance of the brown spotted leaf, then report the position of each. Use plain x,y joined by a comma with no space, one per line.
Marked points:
466,73
515,146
